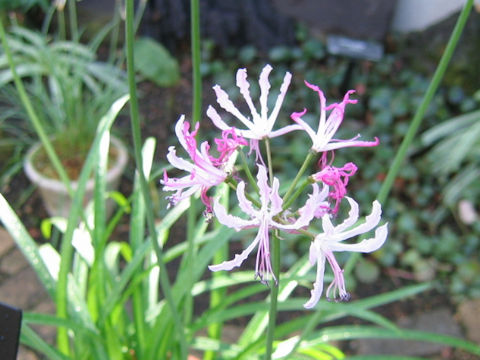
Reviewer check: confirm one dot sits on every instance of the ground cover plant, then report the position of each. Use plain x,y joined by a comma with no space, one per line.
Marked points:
116,299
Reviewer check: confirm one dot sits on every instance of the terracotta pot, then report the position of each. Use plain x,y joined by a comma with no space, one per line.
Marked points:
54,193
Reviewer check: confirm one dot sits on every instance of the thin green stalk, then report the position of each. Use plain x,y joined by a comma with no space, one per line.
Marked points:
249,174
72,18
311,155
269,160
196,61
61,23
135,124
286,204
418,117
217,296
272,314
196,115
275,253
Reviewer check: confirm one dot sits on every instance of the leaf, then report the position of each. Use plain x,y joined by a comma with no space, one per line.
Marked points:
155,63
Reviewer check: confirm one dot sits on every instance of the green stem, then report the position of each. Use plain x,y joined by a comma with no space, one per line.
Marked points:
72,17
275,252
286,204
61,23
217,296
272,315
311,155
196,60
135,124
250,177
418,117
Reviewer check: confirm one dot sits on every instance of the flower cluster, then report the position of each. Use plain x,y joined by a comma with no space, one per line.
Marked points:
269,210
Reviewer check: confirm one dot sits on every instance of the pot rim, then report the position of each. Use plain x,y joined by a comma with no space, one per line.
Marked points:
56,185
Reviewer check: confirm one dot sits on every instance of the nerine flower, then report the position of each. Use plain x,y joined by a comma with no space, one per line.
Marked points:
331,240
203,174
323,138
263,218
338,179
260,124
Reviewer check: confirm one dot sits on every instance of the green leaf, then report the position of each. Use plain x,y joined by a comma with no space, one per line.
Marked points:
26,244
364,332
155,63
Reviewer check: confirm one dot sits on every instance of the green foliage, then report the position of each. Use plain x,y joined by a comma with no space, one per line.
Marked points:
22,5
69,89
426,193
155,63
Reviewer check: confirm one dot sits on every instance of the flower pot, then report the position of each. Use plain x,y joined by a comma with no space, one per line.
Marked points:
54,193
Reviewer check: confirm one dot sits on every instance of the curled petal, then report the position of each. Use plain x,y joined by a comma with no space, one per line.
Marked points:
317,290
237,261
229,220
367,245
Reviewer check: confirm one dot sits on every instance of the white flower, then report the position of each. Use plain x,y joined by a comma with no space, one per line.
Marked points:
331,240
260,125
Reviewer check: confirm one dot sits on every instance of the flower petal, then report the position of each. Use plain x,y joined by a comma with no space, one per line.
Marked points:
371,221
243,202
264,89
365,246
237,260
317,290
229,220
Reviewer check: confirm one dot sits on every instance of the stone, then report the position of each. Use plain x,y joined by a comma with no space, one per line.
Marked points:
25,353
468,315
23,290
6,242
13,262
439,321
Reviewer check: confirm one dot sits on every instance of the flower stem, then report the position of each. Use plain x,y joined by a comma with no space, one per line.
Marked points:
135,124
418,117
249,174
275,258
311,155
272,315
297,193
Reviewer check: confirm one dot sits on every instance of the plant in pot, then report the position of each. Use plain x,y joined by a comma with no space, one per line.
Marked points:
69,92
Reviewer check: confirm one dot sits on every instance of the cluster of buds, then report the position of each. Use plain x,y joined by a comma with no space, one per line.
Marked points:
268,210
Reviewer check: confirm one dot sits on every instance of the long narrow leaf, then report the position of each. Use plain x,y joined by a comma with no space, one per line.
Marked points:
26,245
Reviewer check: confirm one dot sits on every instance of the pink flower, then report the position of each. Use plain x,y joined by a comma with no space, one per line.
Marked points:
203,174
227,145
330,240
260,124
338,179
263,218
323,138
